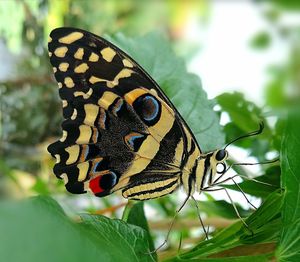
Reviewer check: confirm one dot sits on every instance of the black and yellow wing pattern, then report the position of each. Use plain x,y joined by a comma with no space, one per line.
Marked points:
120,131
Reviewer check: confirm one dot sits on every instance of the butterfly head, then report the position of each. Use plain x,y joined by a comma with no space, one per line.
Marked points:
210,164
217,161
214,162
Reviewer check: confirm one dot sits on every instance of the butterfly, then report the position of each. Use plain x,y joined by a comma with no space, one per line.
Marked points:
121,132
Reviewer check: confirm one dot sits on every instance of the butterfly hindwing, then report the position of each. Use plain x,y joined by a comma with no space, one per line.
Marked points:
120,130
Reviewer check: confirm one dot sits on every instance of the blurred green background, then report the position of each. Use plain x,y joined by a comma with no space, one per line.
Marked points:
247,55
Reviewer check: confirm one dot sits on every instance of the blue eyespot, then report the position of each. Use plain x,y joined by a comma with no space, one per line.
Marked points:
148,108
132,139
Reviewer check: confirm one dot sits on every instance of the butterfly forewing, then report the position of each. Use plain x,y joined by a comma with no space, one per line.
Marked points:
120,131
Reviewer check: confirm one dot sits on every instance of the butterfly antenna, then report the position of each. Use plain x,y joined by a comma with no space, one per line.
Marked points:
254,133
257,163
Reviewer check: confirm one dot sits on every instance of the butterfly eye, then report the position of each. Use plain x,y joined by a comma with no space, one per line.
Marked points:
221,154
221,167
148,108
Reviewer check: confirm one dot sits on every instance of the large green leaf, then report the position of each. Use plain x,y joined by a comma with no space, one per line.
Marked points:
289,245
153,52
264,224
37,230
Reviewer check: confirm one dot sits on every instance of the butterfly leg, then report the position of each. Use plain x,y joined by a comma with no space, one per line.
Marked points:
237,185
201,221
233,204
171,225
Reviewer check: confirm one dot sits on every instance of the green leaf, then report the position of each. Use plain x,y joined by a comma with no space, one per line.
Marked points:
154,54
292,5
36,229
264,224
245,117
239,109
125,241
289,244
261,40
137,217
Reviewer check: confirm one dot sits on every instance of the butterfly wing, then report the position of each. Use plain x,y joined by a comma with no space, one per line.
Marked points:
120,131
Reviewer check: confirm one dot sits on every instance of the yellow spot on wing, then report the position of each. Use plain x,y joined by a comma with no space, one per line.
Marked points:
131,96
83,169
70,38
73,152
64,103
122,74
74,115
64,176
93,57
59,85
69,82
57,156
81,68
91,113
127,63
108,54
64,136
63,67
83,94
85,133
79,53
61,51
94,79
54,69
107,99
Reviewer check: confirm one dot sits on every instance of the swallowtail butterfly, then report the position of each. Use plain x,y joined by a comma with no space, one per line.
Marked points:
120,132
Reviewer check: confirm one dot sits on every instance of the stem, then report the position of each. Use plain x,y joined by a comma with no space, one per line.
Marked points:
127,210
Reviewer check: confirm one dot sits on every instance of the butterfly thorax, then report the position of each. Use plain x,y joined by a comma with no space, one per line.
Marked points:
201,174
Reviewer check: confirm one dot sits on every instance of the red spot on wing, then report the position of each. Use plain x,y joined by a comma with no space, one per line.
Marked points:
95,185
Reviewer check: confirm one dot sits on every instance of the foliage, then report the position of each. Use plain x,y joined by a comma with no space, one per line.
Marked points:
42,228
288,248
37,229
